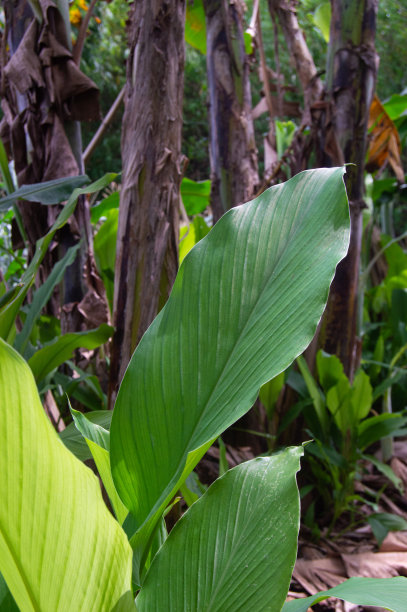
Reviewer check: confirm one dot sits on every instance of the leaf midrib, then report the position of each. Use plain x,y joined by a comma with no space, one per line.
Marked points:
238,338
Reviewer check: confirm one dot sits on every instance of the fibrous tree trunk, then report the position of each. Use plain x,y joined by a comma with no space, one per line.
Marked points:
44,96
147,251
351,76
233,154
301,58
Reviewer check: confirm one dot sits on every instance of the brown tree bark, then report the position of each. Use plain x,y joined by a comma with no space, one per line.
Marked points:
147,257
285,10
284,13
233,154
351,77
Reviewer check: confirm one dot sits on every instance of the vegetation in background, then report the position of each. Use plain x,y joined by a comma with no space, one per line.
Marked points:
351,412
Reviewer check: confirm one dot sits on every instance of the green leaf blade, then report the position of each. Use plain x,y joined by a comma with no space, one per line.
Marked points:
195,26
195,372
195,195
59,545
56,353
388,593
74,440
236,546
48,192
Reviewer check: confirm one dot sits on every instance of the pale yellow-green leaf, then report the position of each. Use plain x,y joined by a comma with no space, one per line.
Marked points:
60,548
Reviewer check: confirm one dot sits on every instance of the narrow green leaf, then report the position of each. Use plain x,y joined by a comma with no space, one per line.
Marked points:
102,459
91,430
5,170
314,391
361,399
74,440
10,312
388,593
56,353
387,471
236,546
105,252
234,320
48,192
377,427
8,296
98,441
60,548
41,297
383,522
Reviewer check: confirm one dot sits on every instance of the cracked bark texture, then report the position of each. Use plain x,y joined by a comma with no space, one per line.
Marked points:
351,77
232,149
147,241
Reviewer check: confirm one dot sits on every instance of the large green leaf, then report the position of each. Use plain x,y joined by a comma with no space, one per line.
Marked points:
60,548
236,546
57,352
246,302
105,206
7,603
389,593
48,192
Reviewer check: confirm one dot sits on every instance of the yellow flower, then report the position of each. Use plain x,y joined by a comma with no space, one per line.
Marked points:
75,16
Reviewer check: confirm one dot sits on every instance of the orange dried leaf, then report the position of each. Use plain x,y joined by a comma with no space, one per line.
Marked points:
384,146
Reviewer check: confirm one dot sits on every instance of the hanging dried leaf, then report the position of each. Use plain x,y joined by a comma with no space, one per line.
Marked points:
384,147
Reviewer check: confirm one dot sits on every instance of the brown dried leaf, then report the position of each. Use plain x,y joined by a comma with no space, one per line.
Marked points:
400,470
376,565
384,146
319,574
94,309
395,541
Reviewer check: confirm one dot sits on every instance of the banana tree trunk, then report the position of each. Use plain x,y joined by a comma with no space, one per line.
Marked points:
233,154
351,76
147,241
